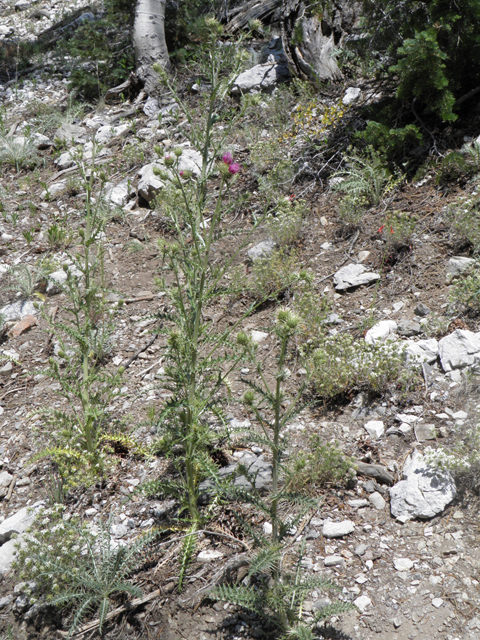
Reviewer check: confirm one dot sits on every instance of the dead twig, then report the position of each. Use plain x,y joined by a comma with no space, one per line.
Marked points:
141,350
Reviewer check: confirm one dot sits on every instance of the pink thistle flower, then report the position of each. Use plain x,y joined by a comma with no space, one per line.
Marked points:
182,173
234,168
227,158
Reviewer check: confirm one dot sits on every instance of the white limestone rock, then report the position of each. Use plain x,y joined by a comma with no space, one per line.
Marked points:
375,428
421,351
18,310
460,349
337,529
261,250
380,331
261,78
424,492
352,94
353,275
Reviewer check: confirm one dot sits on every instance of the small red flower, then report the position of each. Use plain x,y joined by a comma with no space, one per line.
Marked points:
381,229
391,229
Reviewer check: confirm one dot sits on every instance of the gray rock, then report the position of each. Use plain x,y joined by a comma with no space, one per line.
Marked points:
403,564
107,132
170,109
120,530
22,603
421,351
38,140
274,49
337,529
119,193
5,601
257,469
68,132
321,603
377,500
261,78
151,108
54,190
456,266
19,522
209,555
424,492
334,561
425,432
459,349
57,279
422,310
408,328
7,556
65,161
261,250
5,479
353,275
5,371
149,184
18,310
21,5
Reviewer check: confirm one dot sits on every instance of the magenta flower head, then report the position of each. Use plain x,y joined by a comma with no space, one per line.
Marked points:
182,173
234,168
169,161
228,158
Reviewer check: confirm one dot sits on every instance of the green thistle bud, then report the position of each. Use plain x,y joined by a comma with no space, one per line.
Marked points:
243,339
249,398
178,151
174,340
159,150
224,172
169,161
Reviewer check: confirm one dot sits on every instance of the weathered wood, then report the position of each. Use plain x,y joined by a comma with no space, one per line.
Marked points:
376,471
310,39
251,10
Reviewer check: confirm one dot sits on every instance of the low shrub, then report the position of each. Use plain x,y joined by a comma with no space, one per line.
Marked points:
74,567
466,290
342,365
275,277
285,226
324,465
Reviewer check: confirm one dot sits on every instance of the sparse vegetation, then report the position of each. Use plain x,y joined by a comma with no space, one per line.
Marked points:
123,403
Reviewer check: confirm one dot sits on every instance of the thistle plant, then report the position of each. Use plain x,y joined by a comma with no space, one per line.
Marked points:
199,357
83,339
274,592
364,176
75,567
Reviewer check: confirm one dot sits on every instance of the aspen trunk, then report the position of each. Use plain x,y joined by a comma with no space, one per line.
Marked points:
149,41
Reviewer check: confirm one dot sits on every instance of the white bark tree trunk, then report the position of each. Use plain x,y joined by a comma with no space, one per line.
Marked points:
149,41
